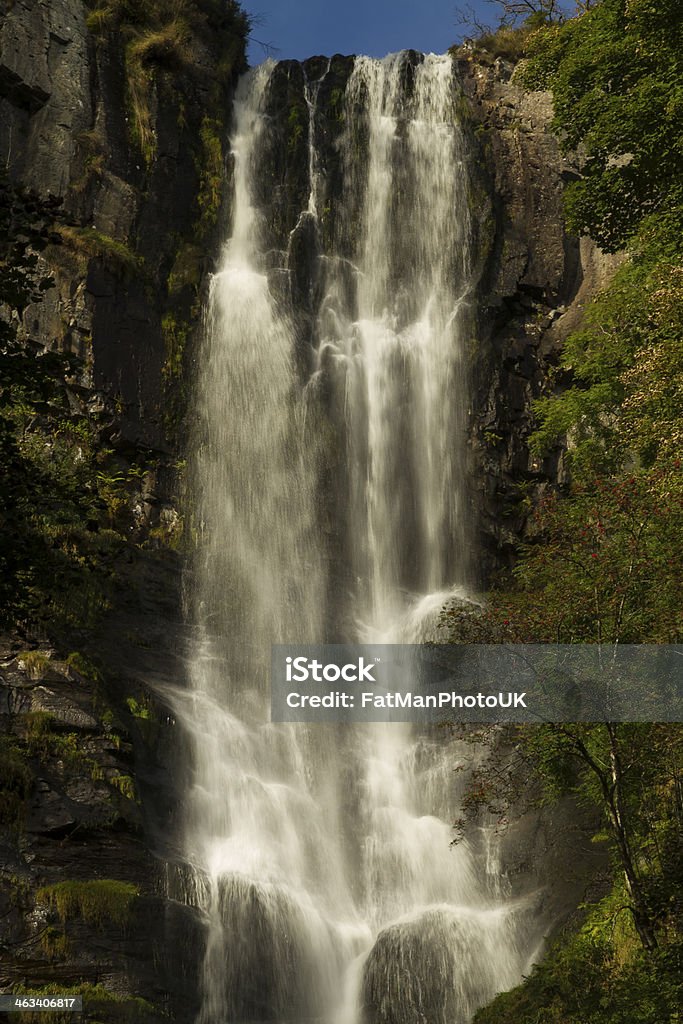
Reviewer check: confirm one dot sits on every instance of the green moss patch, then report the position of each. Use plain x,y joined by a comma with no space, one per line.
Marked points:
16,781
95,998
89,242
100,902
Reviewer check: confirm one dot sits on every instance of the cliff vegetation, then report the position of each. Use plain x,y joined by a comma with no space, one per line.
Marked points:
602,561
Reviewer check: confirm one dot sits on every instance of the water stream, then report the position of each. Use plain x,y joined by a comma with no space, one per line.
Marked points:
322,856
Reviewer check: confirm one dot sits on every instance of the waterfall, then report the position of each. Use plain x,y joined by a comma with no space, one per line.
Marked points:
321,856
403,336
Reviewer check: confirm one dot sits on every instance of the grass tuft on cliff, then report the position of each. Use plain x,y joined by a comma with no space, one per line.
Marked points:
101,902
90,242
168,36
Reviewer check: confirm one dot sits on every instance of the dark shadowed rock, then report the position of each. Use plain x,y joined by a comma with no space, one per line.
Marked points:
437,967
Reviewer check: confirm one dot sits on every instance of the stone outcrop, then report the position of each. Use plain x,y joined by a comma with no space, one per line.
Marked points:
87,815
89,794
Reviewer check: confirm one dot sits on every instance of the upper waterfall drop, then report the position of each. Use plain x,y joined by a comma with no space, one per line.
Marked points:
332,504
402,329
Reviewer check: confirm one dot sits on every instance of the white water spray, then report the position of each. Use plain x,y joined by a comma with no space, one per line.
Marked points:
322,856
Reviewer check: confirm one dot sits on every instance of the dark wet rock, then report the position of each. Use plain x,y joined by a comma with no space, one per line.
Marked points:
65,130
272,954
438,966
61,708
535,282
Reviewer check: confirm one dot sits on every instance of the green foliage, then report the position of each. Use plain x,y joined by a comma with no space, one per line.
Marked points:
616,74
582,981
296,123
90,242
621,962
38,736
139,708
605,567
101,19
166,45
185,272
16,781
175,336
175,331
125,785
211,172
626,363
84,666
54,943
89,144
604,562
508,42
63,575
101,902
44,737
337,105
139,81
95,998
34,663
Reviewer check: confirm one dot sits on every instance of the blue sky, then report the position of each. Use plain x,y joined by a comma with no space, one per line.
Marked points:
304,28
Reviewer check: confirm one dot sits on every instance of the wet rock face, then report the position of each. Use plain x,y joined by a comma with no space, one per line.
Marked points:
45,89
438,967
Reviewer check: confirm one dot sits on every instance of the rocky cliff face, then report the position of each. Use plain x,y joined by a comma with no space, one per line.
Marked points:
536,280
125,123
128,130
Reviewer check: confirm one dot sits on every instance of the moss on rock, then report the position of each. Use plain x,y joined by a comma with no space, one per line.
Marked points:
100,902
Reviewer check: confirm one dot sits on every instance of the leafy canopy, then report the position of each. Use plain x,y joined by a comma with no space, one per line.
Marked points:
616,74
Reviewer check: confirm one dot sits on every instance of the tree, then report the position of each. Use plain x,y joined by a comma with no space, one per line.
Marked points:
631,773
541,10
509,13
616,74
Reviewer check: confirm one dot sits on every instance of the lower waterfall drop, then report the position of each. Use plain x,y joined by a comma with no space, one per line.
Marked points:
321,856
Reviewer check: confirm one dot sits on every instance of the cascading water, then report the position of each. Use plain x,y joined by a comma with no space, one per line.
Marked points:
321,857
403,336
